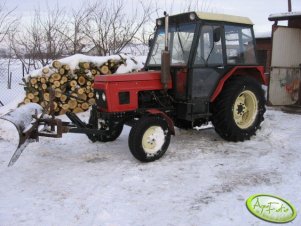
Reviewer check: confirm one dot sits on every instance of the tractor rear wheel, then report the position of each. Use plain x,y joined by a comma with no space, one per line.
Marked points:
149,138
238,111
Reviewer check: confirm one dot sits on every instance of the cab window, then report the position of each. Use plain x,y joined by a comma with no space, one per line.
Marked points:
239,45
209,50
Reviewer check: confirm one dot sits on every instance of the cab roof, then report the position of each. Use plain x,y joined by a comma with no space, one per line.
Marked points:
217,17
223,17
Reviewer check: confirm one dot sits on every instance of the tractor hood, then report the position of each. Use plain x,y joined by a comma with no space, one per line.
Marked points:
119,92
134,76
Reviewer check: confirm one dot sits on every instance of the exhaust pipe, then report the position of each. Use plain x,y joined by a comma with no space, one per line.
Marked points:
165,58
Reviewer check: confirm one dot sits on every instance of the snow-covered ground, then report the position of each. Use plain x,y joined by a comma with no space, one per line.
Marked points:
201,180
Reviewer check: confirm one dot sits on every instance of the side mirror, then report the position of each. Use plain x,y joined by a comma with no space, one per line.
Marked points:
217,34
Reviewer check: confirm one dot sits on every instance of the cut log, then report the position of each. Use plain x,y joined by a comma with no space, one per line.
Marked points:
94,72
44,86
81,80
45,70
33,81
82,96
56,64
30,96
77,110
65,106
66,67
91,101
84,65
35,99
43,80
72,104
56,76
104,69
85,106
63,98
46,96
91,94
57,84
61,71
62,112
26,101
73,83
64,79
80,90
58,93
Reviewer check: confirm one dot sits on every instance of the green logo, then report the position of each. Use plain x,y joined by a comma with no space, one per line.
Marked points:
271,208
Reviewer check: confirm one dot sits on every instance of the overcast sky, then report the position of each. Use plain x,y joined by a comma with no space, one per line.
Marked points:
257,10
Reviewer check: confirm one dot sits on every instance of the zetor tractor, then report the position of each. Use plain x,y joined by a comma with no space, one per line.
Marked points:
201,67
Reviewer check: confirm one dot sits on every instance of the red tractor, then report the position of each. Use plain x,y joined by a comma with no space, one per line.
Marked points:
201,67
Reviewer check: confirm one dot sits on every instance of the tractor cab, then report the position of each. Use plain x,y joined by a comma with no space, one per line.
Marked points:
203,48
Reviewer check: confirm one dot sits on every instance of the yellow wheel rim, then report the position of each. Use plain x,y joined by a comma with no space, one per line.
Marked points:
245,109
153,140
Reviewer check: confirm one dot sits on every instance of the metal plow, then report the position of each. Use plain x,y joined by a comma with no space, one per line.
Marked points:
31,123
25,119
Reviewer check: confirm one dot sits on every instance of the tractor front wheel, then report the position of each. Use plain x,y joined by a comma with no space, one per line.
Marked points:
149,138
238,110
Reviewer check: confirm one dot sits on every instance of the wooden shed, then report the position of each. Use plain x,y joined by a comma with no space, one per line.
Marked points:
285,70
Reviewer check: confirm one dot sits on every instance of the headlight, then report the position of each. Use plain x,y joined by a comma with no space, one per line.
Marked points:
97,95
103,96
159,22
192,16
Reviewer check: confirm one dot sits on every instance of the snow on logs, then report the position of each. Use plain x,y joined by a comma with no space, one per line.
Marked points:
72,80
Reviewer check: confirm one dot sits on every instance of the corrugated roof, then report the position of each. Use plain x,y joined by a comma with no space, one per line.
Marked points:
224,17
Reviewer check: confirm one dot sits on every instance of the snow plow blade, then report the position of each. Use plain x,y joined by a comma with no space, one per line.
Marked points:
26,121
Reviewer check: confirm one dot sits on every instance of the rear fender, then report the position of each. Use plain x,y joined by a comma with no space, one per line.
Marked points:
256,72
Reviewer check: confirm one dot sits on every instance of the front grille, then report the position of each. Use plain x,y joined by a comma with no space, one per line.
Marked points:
124,97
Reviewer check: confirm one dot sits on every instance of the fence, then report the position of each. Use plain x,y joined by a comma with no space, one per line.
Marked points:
11,74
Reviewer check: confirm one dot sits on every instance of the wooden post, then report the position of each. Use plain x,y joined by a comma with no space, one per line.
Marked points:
289,5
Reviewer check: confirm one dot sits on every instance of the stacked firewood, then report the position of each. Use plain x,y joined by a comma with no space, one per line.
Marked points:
69,89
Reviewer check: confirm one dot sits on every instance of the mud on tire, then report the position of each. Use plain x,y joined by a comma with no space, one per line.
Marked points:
238,111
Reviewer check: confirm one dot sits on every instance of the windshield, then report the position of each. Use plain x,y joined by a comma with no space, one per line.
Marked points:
180,40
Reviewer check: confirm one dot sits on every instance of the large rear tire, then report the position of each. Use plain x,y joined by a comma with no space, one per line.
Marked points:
238,111
149,138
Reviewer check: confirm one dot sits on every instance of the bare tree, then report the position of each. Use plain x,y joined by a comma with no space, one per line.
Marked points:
74,32
110,28
8,22
42,41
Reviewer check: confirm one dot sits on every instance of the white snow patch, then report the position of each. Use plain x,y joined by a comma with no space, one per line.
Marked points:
201,180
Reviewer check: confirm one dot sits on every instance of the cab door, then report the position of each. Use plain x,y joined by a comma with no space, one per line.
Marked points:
207,68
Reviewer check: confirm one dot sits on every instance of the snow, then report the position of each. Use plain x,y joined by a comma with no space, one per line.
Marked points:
201,180
284,16
22,116
132,62
266,34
